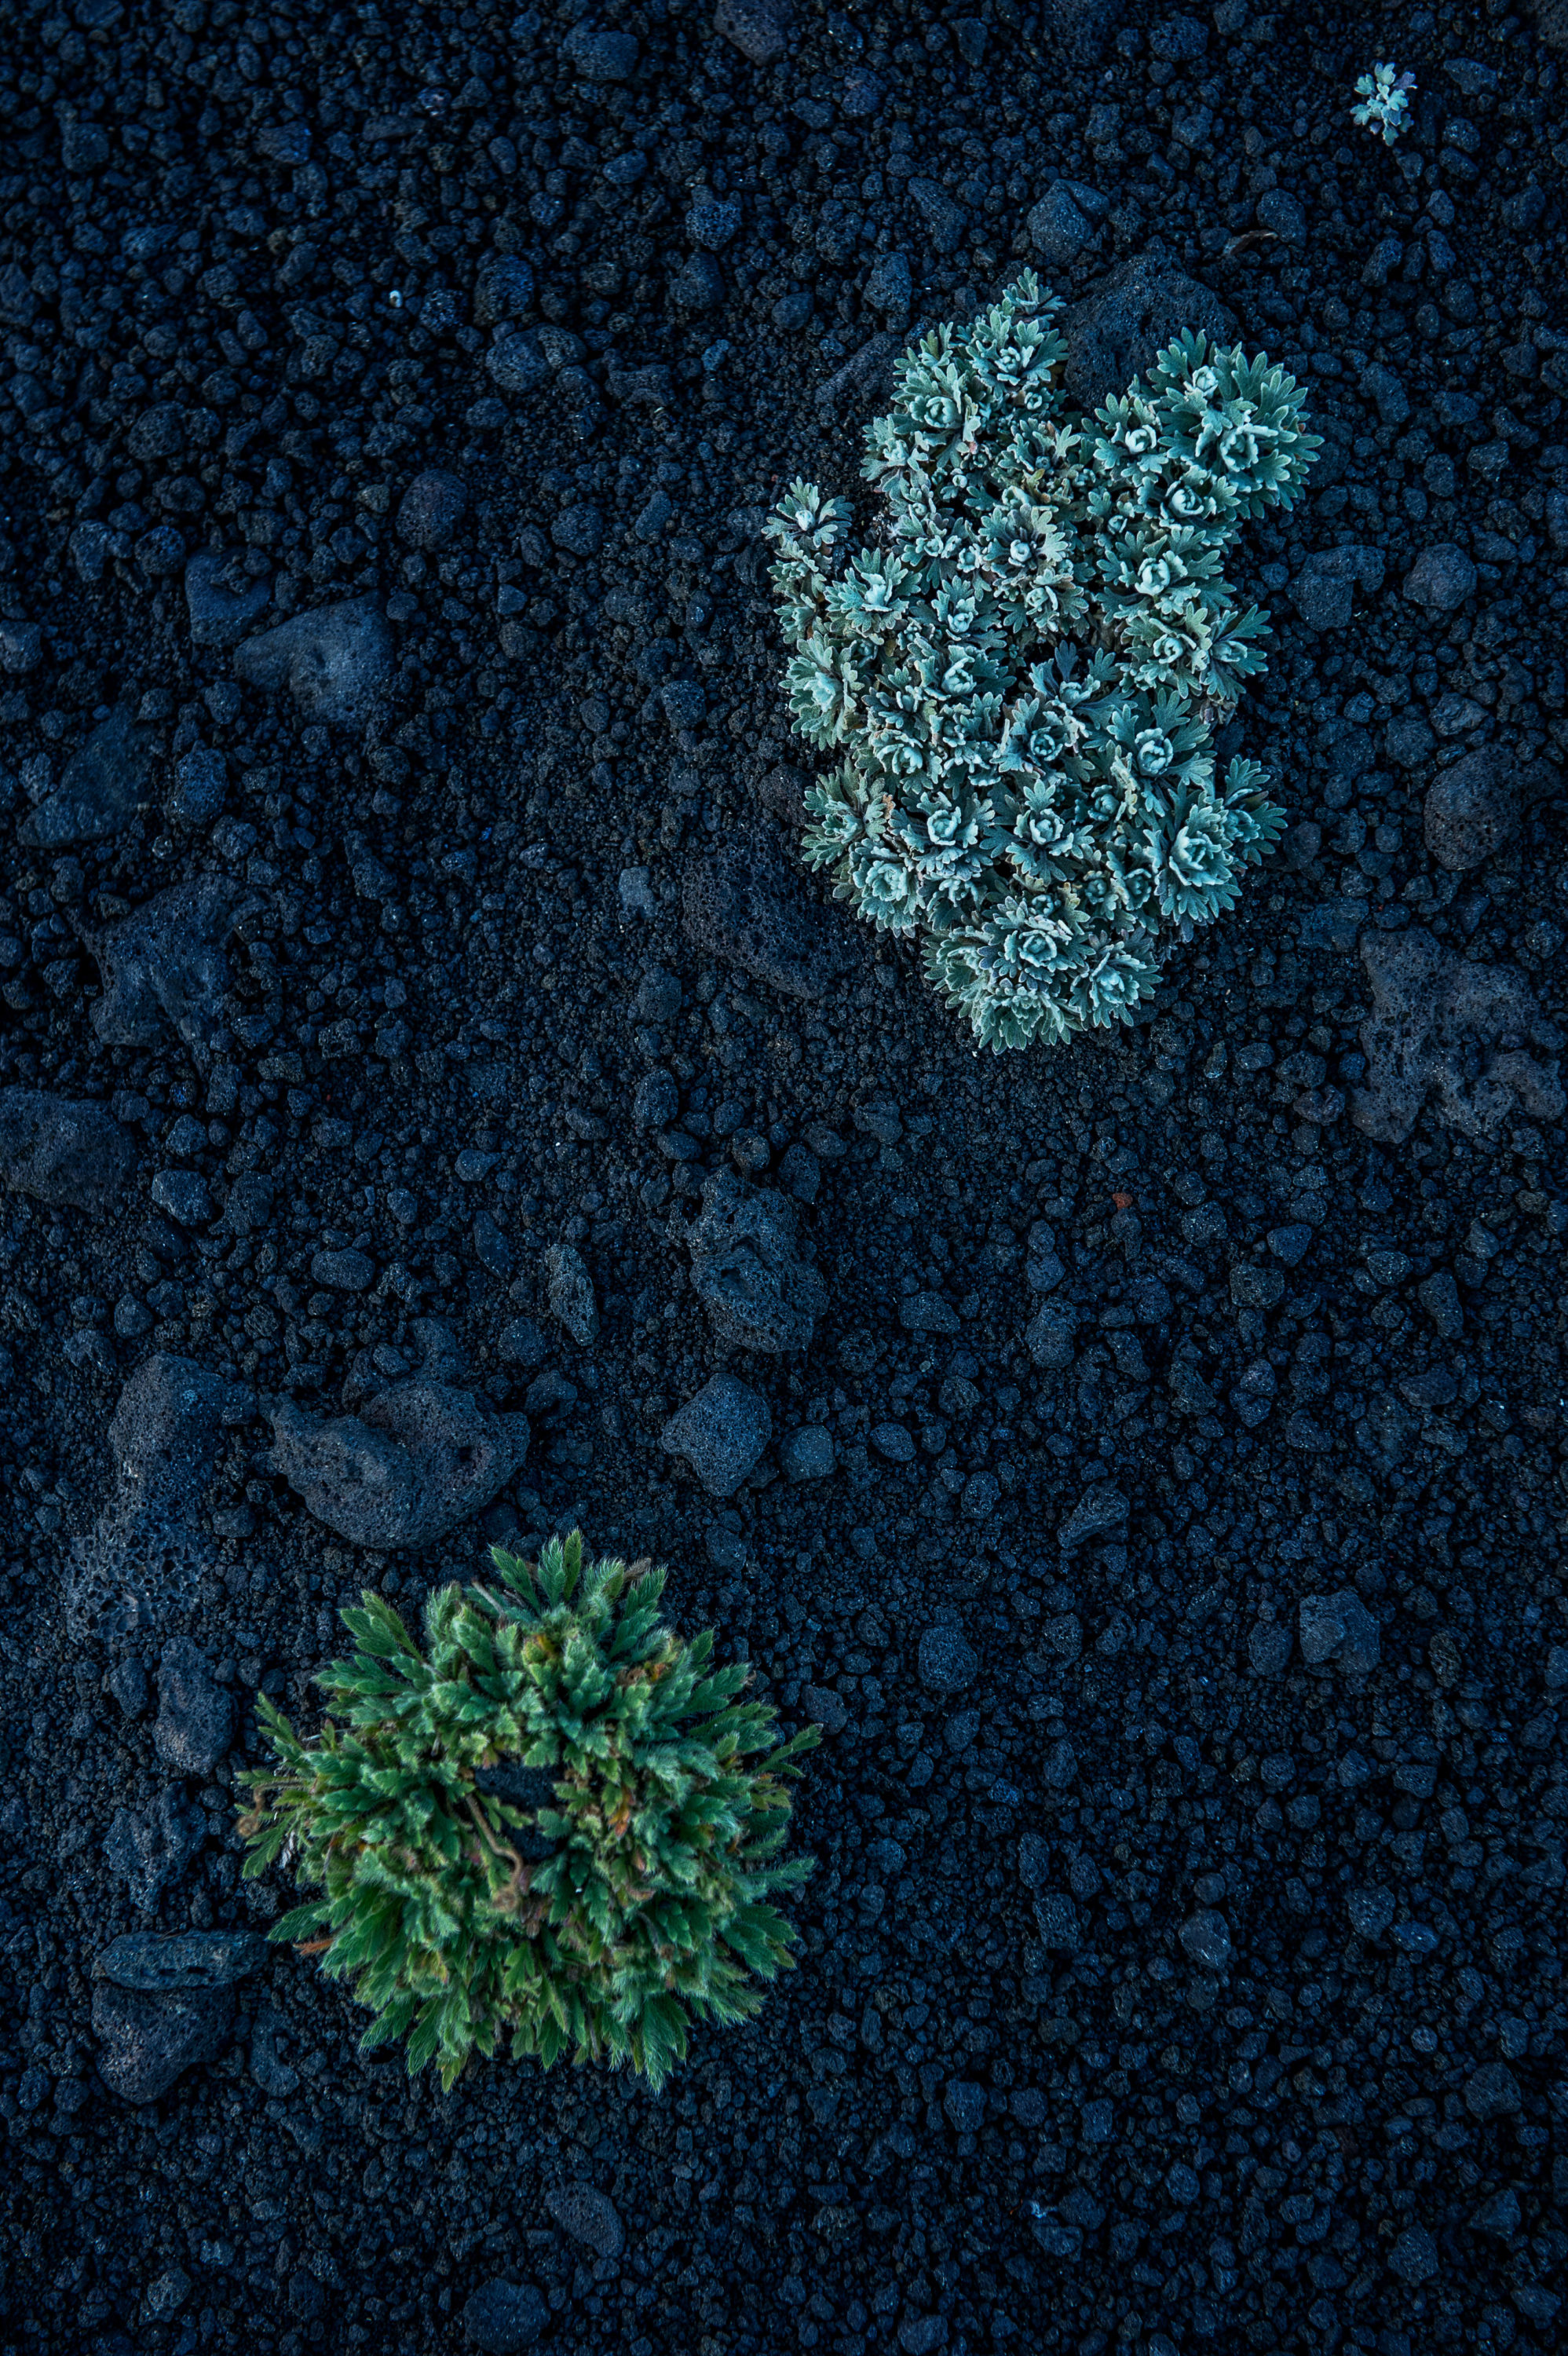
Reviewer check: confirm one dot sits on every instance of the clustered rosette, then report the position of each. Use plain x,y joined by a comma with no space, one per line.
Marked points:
1023,679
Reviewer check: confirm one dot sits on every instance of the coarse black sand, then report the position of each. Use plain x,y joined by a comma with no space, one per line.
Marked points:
1182,1969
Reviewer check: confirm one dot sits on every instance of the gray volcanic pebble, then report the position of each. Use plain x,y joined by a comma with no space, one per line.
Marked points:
890,289
21,646
1434,1017
1371,1911
490,1246
945,222
659,995
927,1312
158,432
801,1171
588,2216
1382,386
148,1848
148,2039
332,658
579,530
808,1454
250,1203
416,1461
1099,1512
104,782
1491,2092
160,1964
223,604
345,1272
145,1545
657,1099
863,93
61,1152
722,1432
946,1661
1057,229
1413,2257
598,53
127,1682
1116,331
1439,1296
1441,578
195,1724
893,1441
431,508
746,1269
1323,589
440,1353
1179,39
1472,810
1499,2216
1268,1647
964,2100
504,289
655,518
1049,1335
183,1193
1206,1937
164,967
713,221
1282,212
1056,1920
502,2317
200,788
1339,1628
570,1293
698,284
522,1343
683,702
164,1431
825,1709
981,1493
760,29
516,362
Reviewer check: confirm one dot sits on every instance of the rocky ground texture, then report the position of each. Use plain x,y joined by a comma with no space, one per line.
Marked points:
435,1106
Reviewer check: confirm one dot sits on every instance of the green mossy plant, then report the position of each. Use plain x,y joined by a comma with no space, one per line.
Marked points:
1022,677
555,1821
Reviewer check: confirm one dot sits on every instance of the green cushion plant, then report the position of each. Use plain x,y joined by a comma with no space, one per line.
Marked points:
555,1821
1021,676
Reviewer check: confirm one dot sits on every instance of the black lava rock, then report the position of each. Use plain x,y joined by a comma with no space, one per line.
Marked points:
147,2040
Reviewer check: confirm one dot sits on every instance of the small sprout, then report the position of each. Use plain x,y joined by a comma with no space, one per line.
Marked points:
1386,107
554,1822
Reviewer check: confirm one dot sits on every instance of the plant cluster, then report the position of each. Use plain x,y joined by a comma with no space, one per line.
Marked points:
1386,106
1022,677
554,1821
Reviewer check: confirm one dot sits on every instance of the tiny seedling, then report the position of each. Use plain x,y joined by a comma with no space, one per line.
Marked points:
1385,101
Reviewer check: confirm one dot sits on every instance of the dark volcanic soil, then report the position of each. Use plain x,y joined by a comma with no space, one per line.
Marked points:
1174,1562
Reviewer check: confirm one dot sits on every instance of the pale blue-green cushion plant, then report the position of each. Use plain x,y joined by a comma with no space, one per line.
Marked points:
1385,102
1023,675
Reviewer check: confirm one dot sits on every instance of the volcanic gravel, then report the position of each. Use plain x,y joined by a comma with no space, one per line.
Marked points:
1145,1462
